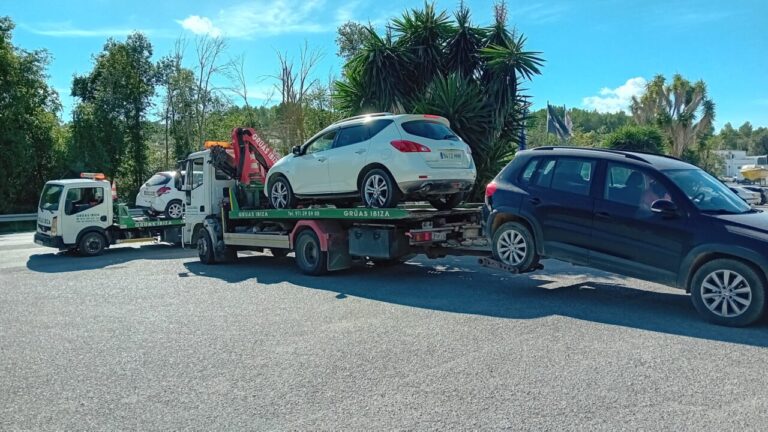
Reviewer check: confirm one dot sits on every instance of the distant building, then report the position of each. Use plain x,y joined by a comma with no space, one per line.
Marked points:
735,159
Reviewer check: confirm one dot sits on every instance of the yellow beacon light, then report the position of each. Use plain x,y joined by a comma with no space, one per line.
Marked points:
223,144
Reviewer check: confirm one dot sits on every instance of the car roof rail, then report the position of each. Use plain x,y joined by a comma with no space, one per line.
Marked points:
626,154
378,114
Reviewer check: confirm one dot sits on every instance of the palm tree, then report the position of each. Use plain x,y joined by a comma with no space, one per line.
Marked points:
469,75
681,109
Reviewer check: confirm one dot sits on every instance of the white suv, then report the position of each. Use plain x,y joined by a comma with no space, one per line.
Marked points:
379,159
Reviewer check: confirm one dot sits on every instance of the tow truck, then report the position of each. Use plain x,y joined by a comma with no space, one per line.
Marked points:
226,212
83,215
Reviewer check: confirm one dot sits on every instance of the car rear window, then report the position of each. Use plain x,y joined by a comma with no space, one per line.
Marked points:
158,179
429,129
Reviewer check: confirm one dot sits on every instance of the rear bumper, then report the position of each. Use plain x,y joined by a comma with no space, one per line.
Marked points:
45,240
435,187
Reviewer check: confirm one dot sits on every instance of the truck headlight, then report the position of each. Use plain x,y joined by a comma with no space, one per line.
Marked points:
54,222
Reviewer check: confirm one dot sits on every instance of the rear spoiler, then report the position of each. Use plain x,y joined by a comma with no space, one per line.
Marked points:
429,117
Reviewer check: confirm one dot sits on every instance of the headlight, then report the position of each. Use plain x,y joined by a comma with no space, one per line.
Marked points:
54,222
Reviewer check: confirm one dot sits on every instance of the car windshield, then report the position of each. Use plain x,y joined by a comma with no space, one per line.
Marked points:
49,199
707,193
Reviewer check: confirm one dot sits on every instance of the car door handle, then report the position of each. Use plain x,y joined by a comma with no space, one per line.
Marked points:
534,201
321,159
603,215
361,151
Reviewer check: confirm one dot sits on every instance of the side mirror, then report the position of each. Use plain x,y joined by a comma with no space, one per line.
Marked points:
665,208
296,150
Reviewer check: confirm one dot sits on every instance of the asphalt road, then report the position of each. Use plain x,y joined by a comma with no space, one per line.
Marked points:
146,337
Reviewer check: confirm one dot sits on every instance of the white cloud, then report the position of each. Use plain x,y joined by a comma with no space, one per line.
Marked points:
66,29
200,25
617,99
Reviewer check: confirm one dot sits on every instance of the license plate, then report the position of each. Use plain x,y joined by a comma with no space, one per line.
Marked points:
146,192
40,242
439,236
451,155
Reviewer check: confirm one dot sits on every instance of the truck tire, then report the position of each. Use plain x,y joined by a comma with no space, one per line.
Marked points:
92,244
379,190
309,257
728,292
514,246
447,202
174,210
205,247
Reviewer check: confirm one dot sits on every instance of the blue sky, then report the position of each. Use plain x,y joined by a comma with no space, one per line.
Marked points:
599,53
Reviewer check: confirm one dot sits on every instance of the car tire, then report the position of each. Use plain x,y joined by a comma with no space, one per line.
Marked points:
309,257
205,247
174,210
728,292
281,194
447,202
513,245
379,190
91,244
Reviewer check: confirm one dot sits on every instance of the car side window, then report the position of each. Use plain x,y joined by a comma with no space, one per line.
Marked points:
543,173
631,186
376,126
322,143
527,174
81,199
573,175
351,135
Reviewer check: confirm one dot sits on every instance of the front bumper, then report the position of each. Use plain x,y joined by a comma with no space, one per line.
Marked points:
46,240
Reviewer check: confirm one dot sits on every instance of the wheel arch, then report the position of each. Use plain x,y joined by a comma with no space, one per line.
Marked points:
502,217
104,233
372,166
696,259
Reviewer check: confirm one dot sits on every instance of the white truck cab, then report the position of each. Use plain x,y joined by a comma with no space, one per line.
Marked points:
70,209
205,188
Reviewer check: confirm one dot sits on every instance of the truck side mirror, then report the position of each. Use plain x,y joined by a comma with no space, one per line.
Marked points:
296,150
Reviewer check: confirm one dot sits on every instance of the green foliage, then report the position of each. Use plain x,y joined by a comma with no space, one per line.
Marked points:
29,129
350,37
636,138
438,65
590,128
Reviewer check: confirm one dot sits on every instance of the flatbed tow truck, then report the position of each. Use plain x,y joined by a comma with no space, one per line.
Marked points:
82,215
225,213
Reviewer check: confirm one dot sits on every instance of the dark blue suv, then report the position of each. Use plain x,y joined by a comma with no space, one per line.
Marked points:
646,216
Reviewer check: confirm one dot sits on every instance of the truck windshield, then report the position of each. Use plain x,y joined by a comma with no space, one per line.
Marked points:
49,199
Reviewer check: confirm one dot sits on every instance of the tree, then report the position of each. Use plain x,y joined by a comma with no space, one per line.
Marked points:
350,38
681,109
636,138
208,65
431,63
30,134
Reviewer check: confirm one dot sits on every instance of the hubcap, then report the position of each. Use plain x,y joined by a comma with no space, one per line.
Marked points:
202,247
726,293
376,191
93,244
175,211
512,247
310,253
279,195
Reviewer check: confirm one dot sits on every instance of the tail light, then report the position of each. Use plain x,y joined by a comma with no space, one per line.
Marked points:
490,189
420,236
163,190
406,146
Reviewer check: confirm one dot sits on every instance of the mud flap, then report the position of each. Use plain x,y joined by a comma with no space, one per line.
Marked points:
338,251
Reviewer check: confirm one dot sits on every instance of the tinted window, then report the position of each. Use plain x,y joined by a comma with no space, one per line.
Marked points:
573,175
376,126
630,186
527,174
80,199
429,129
706,192
543,173
351,135
322,143
158,179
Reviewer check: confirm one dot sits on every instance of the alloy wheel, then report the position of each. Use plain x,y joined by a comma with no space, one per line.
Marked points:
175,211
376,191
279,195
726,293
512,247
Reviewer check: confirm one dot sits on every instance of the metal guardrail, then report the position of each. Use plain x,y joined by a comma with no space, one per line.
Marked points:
18,217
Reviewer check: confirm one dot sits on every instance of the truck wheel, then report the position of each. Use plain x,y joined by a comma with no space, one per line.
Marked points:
281,194
728,292
174,210
310,259
447,202
92,244
379,190
205,247
514,246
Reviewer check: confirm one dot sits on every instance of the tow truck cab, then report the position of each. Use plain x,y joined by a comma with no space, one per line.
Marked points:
68,209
